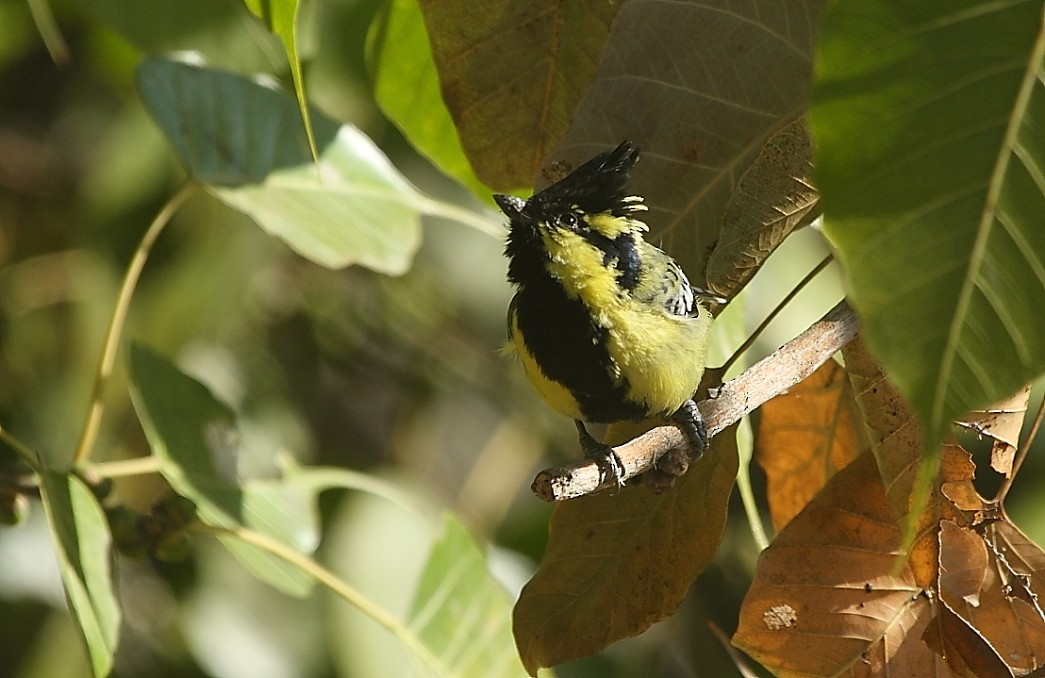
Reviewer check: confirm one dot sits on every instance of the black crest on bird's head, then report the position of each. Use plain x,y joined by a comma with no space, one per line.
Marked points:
597,186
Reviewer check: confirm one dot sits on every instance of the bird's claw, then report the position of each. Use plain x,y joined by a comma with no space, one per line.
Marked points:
692,424
610,465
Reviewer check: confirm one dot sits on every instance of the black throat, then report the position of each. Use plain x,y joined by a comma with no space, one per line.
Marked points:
566,342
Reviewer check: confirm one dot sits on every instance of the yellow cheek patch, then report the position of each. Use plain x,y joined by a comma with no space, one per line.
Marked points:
578,266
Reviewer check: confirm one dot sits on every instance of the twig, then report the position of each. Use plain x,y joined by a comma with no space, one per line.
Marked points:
776,311
112,336
1021,455
21,449
784,368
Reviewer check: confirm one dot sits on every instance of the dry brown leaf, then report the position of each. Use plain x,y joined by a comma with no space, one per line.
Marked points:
983,576
966,651
897,444
896,436
511,75
963,561
805,436
1001,423
617,563
1002,610
773,197
700,85
832,567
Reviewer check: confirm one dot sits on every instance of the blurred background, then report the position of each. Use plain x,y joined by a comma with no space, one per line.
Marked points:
398,377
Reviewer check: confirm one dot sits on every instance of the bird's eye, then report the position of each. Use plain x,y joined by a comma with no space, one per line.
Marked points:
568,219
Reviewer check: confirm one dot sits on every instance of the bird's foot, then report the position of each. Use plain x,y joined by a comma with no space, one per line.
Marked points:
609,463
692,424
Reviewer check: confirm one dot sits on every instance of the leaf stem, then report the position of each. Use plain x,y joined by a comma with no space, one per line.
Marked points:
138,466
445,210
22,450
92,425
776,311
335,584
43,17
747,493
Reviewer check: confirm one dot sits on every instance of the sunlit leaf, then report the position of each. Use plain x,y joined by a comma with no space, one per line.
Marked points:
460,613
617,563
991,582
895,437
1002,423
931,164
511,75
244,140
406,86
967,654
804,437
82,540
699,85
196,441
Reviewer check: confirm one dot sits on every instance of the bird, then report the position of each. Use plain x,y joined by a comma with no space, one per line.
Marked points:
607,326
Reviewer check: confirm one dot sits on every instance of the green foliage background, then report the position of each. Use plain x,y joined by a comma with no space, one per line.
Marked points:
398,377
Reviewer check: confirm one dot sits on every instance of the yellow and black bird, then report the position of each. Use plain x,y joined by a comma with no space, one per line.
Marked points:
607,326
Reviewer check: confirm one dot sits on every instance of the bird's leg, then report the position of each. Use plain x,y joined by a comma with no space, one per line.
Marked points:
692,424
608,461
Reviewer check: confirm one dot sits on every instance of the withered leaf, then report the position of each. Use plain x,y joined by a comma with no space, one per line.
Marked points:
617,563
833,565
805,436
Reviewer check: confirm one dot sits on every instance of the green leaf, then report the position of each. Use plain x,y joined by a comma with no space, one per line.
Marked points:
194,438
931,162
460,613
280,17
511,74
244,140
406,87
82,540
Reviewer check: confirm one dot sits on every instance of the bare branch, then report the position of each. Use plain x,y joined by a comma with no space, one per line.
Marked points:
775,374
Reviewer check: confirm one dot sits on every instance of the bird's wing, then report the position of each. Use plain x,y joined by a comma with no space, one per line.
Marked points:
663,284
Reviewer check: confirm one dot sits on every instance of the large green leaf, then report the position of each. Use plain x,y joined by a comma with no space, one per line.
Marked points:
511,74
700,85
406,87
82,540
931,160
462,615
244,140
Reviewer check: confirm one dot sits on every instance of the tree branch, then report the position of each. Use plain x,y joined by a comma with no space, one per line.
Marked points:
771,376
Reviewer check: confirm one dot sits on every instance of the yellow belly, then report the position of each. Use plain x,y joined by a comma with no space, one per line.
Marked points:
661,356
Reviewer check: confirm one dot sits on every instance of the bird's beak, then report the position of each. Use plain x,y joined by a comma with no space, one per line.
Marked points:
510,205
